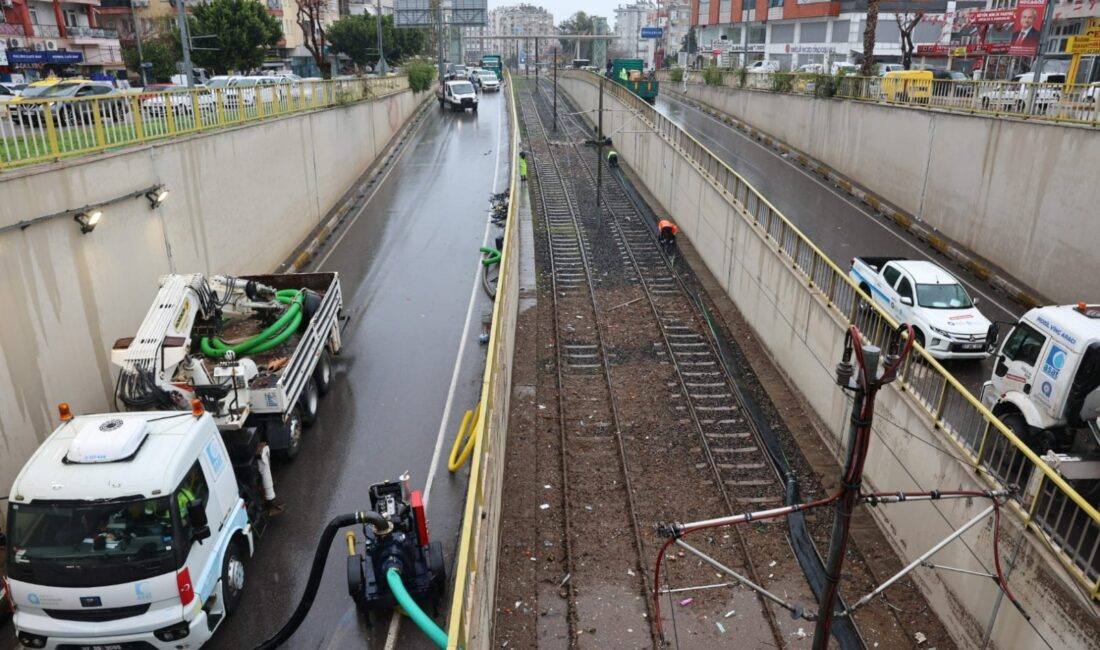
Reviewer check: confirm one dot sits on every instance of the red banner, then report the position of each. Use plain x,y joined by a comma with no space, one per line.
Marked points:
996,17
1027,28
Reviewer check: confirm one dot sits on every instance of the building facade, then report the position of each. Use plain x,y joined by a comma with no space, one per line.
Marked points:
629,20
519,20
42,37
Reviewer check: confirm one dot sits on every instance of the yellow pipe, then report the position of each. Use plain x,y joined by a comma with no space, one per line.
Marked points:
351,542
467,431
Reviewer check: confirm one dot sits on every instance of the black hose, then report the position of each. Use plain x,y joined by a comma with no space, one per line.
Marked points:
318,570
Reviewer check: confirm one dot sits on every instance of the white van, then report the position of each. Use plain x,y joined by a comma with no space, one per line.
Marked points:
764,66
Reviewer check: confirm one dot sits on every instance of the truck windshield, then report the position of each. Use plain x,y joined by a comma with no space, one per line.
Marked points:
68,544
462,89
943,296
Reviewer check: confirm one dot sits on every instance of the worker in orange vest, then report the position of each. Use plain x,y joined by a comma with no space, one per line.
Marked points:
668,232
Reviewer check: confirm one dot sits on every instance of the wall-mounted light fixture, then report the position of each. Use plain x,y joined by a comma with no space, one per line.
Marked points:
89,215
88,220
156,196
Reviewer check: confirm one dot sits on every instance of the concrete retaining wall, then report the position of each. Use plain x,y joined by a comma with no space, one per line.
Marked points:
241,200
1021,194
805,339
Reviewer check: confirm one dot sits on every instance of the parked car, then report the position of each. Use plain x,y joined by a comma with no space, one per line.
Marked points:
112,104
155,96
1014,96
7,93
764,66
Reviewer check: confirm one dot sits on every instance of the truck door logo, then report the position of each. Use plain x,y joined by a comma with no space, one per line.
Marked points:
33,599
214,455
1056,358
140,593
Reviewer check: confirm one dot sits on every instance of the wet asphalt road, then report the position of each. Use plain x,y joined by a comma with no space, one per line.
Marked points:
840,226
408,266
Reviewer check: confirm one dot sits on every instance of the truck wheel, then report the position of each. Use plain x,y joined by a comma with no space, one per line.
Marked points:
309,402
322,375
294,424
232,577
918,337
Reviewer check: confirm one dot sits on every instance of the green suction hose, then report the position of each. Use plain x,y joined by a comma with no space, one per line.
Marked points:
273,336
422,620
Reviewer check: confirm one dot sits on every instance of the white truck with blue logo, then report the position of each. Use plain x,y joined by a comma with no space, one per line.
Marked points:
945,318
128,531
1045,384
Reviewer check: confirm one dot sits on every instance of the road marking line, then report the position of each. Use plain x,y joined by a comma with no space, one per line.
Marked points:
832,190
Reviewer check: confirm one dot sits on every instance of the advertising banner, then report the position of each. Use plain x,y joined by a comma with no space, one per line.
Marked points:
1028,28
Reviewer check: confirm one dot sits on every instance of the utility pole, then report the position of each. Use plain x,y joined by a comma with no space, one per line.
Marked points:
185,42
439,48
599,160
137,39
381,67
555,90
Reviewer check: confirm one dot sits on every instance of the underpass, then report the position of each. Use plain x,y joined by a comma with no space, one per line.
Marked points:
840,226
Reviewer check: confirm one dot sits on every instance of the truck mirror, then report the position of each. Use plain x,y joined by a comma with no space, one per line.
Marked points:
991,336
907,301
196,516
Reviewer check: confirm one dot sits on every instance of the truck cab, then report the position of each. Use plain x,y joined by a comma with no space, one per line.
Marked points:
457,95
126,530
1045,384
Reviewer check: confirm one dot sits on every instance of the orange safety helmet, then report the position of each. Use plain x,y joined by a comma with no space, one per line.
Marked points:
665,223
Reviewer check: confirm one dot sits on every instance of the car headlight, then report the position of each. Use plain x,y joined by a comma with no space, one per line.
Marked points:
173,632
940,332
32,640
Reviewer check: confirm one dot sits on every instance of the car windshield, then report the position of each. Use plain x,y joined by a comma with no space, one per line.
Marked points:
38,91
462,89
943,296
489,76
91,543
220,82
61,90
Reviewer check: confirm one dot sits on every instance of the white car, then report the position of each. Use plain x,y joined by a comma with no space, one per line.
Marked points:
489,80
1014,96
764,66
947,321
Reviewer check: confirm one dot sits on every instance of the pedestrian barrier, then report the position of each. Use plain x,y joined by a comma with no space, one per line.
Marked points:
471,614
1048,101
43,130
1067,523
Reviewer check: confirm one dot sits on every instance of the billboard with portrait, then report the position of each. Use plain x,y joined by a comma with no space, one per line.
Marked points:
1027,28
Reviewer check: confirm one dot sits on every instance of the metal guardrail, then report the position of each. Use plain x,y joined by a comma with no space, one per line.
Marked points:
471,569
1053,102
1049,506
42,130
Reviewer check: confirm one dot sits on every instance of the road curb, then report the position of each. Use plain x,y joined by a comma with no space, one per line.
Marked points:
305,253
937,241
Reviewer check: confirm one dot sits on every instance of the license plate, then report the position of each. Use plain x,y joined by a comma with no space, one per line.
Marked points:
109,646
973,346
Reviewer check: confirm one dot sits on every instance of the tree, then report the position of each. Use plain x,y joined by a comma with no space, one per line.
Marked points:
357,38
162,53
311,20
906,24
869,39
242,33
690,43
578,23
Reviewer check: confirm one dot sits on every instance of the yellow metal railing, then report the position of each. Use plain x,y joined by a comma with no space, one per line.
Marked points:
1053,102
470,604
42,130
1047,504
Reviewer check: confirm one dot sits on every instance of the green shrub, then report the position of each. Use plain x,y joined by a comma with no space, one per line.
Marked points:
825,85
676,74
783,82
742,76
421,75
712,75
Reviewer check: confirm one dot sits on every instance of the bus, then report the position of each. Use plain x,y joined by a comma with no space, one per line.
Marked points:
581,63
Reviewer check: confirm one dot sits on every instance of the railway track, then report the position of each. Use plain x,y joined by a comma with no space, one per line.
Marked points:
714,448
589,425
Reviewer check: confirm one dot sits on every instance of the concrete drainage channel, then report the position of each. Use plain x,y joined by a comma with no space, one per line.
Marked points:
1009,286
357,195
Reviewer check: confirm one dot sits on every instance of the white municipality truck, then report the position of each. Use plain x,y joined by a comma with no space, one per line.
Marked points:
128,530
1045,385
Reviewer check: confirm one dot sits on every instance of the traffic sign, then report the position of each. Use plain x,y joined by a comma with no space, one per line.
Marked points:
652,32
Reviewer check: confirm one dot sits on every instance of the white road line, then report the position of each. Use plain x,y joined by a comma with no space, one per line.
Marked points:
832,190
395,619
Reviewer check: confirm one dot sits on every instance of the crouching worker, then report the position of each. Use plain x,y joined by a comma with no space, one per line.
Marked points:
612,159
668,232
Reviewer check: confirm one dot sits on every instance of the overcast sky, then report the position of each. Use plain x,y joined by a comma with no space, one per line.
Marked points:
563,9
